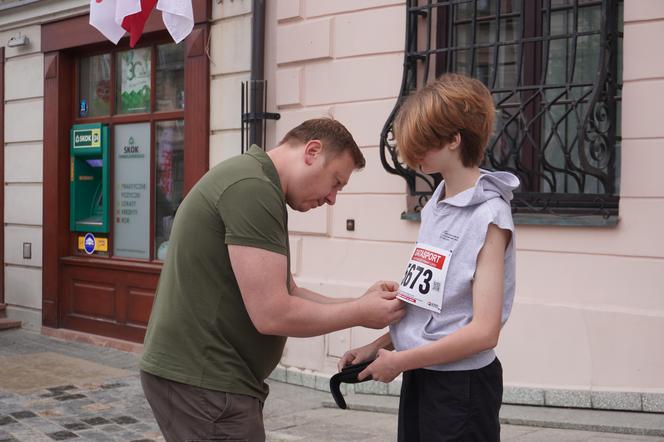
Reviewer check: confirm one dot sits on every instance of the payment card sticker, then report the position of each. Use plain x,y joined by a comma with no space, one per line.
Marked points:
424,280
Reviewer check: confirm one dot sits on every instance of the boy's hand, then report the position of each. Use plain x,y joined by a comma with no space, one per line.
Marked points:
385,368
357,355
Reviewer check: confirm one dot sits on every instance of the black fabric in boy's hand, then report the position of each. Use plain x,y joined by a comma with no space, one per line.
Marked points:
347,375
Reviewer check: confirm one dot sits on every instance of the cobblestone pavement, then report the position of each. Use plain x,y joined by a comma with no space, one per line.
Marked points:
52,389
68,390
113,411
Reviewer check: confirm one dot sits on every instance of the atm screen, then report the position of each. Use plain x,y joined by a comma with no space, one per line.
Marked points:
98,162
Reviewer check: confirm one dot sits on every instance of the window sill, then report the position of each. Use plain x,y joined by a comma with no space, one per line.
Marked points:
537,219
411,216
534,219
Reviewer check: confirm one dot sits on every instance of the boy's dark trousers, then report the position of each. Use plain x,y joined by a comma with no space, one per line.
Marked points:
451,405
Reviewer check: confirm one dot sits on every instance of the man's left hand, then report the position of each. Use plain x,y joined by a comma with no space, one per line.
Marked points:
387,286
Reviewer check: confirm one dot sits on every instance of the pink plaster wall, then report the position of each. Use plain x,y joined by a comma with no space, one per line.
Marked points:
589,311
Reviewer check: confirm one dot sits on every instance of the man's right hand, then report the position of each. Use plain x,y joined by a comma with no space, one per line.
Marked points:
380,308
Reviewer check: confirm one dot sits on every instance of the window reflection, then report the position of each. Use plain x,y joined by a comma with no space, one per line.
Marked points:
94,77
169,85
170,180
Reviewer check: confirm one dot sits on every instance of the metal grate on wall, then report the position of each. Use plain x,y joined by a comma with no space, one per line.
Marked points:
554,69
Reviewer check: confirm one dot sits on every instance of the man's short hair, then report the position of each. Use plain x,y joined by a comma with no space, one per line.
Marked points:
432,116
333,135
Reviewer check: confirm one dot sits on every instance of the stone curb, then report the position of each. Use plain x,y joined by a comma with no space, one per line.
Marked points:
606,421
583,399
621,422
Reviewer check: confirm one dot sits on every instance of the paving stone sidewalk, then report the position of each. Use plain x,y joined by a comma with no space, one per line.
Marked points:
114,411
51,389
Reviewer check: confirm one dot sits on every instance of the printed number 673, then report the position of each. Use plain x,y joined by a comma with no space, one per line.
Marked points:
417,271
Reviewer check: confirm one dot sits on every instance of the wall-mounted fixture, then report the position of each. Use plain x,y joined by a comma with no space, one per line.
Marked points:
350,224
253,115
18,40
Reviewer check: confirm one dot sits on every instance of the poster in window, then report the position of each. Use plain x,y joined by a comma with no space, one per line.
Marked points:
134,81
131,231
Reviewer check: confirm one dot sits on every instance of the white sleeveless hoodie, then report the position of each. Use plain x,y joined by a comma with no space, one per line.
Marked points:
460,224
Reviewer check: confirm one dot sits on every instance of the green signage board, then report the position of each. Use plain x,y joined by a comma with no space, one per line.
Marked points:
87,138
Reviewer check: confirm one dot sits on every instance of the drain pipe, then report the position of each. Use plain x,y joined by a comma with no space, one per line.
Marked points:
257,85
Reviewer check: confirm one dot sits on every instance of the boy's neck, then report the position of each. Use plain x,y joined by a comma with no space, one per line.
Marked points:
458,179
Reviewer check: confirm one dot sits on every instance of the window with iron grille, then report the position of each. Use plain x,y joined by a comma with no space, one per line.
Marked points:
554,70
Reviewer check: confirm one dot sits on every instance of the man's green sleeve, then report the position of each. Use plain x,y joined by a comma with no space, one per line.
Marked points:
254,214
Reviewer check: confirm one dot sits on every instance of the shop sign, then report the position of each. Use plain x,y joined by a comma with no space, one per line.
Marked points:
131,214
85,138
90,244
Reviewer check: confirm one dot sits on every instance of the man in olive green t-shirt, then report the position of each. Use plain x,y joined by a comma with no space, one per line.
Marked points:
226,300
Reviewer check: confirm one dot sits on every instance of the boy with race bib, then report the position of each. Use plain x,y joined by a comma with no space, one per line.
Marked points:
459,281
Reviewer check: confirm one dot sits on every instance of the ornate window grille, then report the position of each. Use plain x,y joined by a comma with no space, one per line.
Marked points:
554,70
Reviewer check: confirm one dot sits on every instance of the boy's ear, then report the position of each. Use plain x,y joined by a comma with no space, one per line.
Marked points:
312,150
456,141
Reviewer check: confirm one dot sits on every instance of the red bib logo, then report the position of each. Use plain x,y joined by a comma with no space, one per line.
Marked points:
428,257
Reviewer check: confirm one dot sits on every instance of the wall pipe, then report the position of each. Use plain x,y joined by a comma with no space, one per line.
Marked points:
256,85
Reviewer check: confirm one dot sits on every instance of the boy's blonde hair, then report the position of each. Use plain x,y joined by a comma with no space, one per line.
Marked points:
432,116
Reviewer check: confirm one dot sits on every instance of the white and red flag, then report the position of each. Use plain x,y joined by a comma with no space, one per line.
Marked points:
178,16
134,14
102,17
113,17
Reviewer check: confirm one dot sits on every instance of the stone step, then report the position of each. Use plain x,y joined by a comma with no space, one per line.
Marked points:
625,422
6,324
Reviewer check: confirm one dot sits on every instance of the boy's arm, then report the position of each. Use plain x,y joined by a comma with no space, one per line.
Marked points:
480,334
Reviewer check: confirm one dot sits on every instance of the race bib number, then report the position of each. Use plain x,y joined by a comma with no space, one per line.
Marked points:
424,280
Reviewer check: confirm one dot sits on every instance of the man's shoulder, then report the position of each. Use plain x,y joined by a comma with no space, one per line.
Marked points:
242,174
251,188
235,169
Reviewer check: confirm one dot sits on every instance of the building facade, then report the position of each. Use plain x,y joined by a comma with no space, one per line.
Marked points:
589,307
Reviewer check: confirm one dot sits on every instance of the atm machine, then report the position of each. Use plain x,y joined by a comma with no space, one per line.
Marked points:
89,186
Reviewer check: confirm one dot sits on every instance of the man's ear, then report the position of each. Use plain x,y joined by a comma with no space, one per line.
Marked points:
312,150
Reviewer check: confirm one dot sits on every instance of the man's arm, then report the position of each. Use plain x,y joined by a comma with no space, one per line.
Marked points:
389,286
260,276
310,295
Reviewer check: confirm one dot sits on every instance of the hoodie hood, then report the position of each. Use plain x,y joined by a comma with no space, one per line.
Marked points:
489,185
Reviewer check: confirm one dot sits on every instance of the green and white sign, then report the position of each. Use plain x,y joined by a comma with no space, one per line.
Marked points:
86,138
131,214
134,93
